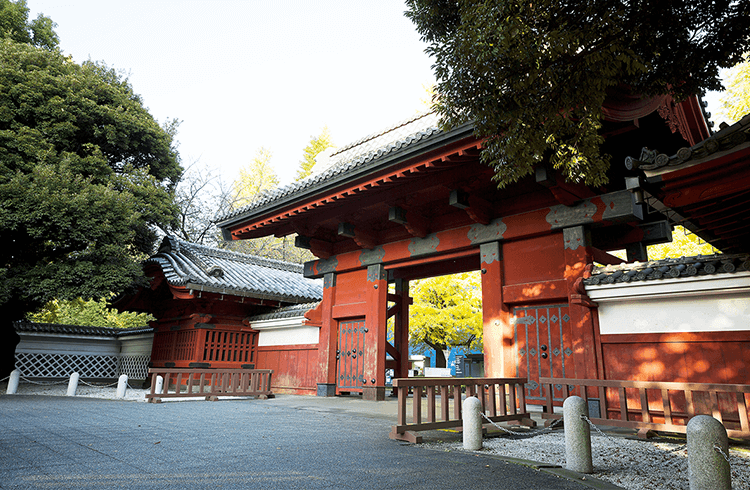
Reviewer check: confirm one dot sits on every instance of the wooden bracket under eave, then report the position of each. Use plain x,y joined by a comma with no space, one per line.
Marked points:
319,248
361,238
416,224
479,210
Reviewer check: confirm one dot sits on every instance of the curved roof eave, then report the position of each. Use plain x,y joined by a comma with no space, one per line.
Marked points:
425,145
248,293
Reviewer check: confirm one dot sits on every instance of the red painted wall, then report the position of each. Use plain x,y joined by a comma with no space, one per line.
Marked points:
537,259
687,357
295,367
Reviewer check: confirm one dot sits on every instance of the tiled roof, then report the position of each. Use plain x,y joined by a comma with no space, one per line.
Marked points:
728,137
210,269
361,154
700,265
285,312
32,327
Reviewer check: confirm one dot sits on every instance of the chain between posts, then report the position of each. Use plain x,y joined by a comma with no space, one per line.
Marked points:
39,383
719,450
93,385
532,433
54,383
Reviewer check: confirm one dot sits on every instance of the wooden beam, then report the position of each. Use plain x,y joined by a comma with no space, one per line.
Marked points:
319,248
415,223
479,210
564,192
361,238
604,258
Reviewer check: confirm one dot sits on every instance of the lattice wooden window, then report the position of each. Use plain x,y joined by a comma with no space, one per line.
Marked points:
224,346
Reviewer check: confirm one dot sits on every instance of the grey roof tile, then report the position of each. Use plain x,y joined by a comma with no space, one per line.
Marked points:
285,312
729,137
215,270
32,327
700,265
350,157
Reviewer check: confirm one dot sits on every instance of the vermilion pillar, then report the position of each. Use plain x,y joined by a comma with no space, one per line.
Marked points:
327,339
376,316
497,330
578,254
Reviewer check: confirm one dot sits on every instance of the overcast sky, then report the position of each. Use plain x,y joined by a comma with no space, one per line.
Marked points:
241,75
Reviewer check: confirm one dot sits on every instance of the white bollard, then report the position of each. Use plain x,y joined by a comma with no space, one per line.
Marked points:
13,380
707,468
577,436
472,422
73,384
122,386
159,385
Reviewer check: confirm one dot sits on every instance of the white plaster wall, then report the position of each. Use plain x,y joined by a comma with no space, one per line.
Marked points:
286,331
718,303
137,345
58,344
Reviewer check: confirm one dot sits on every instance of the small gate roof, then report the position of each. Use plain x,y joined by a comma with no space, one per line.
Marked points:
78,330
669,268
203,268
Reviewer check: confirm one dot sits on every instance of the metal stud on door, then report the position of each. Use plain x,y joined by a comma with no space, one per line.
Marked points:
350,362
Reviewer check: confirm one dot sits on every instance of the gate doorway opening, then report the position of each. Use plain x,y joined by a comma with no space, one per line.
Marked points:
435,307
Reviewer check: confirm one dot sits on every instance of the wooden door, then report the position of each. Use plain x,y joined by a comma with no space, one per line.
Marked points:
350,355
543,346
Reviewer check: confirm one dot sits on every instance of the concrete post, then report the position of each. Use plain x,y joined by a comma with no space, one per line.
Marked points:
13,380
159,385
122,386
577,436
73,384
707,469
472,422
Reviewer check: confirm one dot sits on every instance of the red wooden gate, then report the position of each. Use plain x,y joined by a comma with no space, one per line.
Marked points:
543,342
350,355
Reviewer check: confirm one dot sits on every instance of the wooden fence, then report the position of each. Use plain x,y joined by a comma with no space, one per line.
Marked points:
652,405
502,400
210,383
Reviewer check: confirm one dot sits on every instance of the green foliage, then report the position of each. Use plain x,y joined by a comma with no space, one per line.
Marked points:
735,102
532,76
86,175
316,145
91,313
15,25
447,312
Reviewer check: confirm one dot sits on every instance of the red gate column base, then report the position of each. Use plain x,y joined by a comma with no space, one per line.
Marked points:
373,393
326,389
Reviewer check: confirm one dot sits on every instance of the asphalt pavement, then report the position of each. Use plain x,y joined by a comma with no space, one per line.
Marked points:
290,441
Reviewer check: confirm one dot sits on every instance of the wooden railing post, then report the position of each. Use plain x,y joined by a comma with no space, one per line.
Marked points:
674,417
482,388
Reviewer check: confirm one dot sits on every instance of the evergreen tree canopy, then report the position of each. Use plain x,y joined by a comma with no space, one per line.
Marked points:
15,25
532,76
86,175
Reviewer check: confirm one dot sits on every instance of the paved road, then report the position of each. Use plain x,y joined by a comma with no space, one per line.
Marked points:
287,442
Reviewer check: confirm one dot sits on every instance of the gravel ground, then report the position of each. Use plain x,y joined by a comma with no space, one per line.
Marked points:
631,464
628,463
